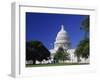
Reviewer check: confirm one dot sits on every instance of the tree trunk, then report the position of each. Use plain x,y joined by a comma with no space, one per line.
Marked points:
34,61
78,59
63,61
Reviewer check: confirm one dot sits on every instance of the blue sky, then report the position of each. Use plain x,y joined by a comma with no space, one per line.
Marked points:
45,26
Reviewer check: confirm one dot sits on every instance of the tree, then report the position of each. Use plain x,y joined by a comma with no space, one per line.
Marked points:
82,49
85,52
85,26
35,50
61,55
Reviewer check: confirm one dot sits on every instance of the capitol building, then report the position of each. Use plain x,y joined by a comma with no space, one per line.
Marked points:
62,40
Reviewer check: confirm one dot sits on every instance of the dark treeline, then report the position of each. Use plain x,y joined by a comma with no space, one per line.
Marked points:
35,50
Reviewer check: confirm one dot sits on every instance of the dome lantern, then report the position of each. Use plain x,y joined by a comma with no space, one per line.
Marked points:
62,27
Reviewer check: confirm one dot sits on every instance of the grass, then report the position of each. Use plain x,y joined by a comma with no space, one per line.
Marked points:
56,64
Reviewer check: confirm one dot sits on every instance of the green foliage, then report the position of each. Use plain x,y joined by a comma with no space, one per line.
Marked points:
83,49
35,50
85,24
61,55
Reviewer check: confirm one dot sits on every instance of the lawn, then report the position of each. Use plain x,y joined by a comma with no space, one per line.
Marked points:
56,64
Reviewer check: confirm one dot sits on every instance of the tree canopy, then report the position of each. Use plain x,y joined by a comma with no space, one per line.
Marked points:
85,24
61,55
35,50
82,49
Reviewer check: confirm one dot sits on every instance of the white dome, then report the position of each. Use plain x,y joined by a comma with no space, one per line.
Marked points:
62,39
